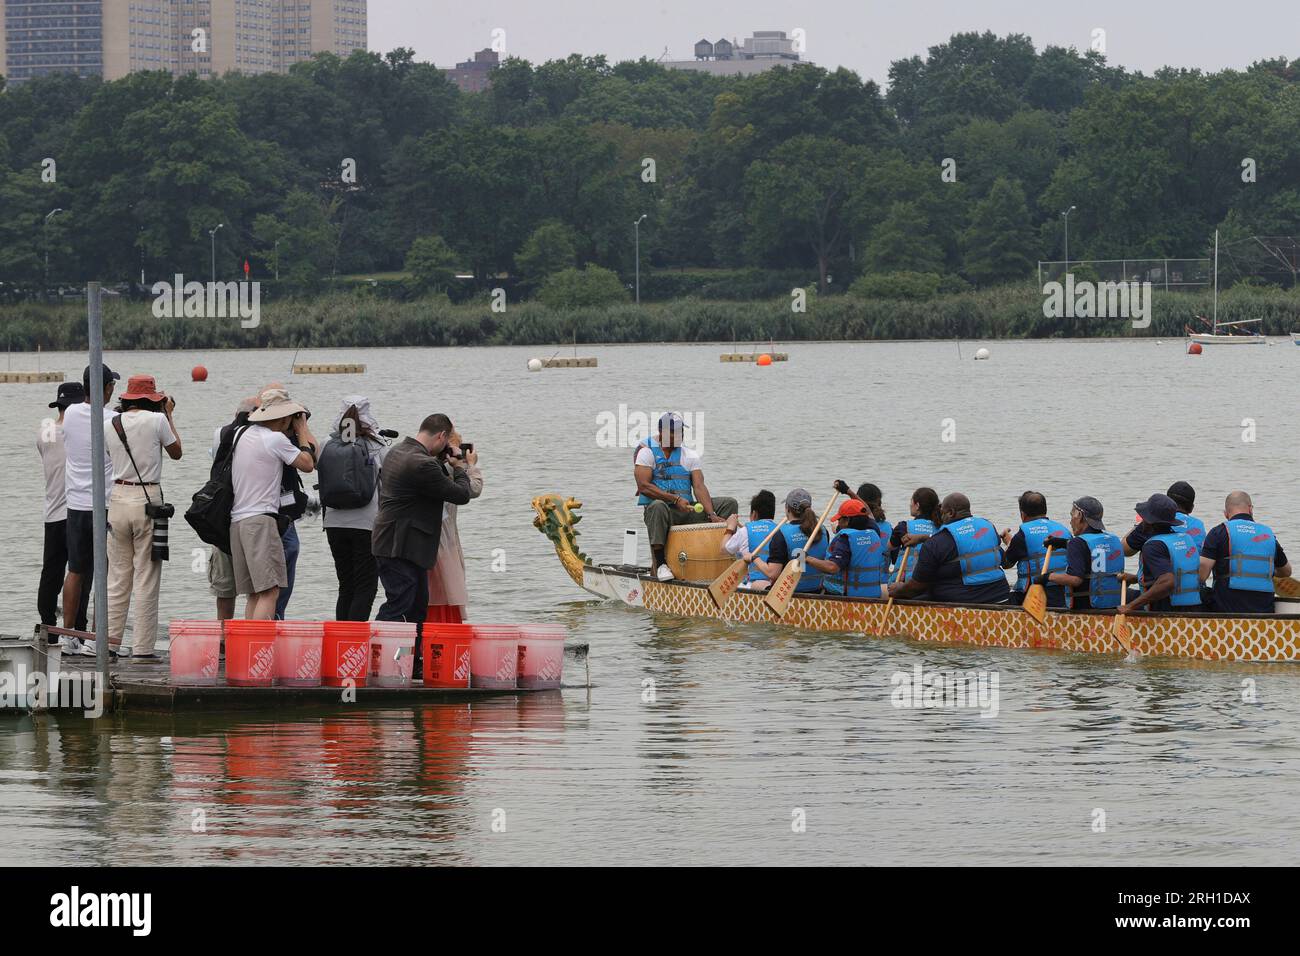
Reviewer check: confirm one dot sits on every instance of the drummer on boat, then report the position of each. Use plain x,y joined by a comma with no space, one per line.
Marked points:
961,563
1243,555
670,486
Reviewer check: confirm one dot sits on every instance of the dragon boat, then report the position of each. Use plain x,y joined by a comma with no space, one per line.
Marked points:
1203,636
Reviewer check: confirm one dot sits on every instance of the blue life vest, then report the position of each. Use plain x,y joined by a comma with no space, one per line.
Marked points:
977,550
1251,549
914,526
1194,528
1036,532
1107,554
866,570
756,531
1187,563
811,579
669,475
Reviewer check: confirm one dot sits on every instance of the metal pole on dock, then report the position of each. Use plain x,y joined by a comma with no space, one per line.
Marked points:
95,328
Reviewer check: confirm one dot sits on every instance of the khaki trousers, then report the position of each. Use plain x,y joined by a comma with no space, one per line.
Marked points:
133,575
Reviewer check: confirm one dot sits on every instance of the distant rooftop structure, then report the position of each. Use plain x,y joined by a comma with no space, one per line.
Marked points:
761,51
475,76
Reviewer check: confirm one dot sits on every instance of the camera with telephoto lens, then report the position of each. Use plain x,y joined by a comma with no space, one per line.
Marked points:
162,511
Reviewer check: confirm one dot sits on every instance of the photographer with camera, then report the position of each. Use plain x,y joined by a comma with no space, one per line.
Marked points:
137,513
447,593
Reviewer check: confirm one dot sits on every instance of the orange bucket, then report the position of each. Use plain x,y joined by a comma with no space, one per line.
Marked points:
345,653
250,653
446,654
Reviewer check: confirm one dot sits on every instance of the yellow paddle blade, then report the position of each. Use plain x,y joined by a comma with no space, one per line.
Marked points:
726,583
781,593
1036,602
1123,633
1287,587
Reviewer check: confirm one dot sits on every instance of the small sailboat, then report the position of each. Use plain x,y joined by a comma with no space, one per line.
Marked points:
1214,336
1295,338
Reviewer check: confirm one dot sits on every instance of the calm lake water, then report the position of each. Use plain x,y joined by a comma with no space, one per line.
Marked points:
752,728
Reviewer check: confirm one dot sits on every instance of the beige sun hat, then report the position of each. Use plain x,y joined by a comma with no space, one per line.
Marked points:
275,404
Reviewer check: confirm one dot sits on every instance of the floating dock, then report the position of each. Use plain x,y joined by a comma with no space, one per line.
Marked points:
753,356
147,686
584,361
329,368
30,377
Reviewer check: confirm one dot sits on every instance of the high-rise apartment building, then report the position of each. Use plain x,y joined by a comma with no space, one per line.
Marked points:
111,38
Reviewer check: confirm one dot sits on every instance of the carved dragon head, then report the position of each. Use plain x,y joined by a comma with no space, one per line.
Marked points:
556,517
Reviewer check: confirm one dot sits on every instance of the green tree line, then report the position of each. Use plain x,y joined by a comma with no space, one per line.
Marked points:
377,163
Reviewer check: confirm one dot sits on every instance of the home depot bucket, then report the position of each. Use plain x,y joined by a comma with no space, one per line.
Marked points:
392,653
447,654
195,652
250,653
494,656
298,653
541,656
345,653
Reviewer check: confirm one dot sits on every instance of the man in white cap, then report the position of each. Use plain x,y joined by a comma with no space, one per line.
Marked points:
277,435
670,486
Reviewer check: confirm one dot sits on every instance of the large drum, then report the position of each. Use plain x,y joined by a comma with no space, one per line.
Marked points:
694,552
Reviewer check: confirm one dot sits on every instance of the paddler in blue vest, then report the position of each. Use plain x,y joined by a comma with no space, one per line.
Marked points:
670,486
908,536
792,542
961,563
856,564
1094,560
745,540
1184,497
1170,561
1244,555
1026,549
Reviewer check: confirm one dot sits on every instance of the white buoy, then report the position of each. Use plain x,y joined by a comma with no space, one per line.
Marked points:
534,365
981,354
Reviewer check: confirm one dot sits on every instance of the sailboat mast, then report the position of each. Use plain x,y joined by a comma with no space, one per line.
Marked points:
1216,281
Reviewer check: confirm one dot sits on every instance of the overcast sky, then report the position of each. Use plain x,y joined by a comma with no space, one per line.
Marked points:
862,35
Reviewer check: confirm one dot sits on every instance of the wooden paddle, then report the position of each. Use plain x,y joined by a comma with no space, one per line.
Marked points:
1035,602
1119,627
898,576
725,584
1287,588
781,593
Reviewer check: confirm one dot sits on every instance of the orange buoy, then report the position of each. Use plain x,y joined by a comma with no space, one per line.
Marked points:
1194,348
199,373
764,359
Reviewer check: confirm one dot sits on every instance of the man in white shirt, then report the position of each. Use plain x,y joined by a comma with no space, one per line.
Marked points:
670,485
54,561
260,452
78,472
136,440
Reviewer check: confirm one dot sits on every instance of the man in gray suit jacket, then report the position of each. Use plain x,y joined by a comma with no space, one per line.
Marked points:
412,490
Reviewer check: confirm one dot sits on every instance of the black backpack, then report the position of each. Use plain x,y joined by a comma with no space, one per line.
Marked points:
209,512
347,474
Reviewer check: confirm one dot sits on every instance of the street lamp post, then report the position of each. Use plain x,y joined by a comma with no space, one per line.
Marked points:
212,234
45,230
1066,216
637,228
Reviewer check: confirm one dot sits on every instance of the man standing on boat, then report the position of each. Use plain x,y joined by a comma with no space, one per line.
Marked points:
961,563
670,486
1170,561
1244,555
